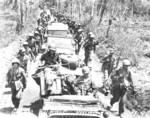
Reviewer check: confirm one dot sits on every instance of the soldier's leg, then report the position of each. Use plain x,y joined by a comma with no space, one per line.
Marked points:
121,102
86,57
15,101
121,106
116,93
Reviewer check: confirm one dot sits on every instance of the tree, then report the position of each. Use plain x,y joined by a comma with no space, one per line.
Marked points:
102,10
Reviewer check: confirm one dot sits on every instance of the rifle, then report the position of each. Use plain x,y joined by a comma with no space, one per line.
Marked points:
117,63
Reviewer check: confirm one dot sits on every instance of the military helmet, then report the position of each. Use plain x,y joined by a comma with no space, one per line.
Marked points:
91,35
22,49
39,28
126,62
111,51
85,70
15,60
36,32
30,34
25,44
52,46
43,48
80,30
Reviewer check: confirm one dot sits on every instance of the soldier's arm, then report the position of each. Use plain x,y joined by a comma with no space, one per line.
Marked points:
24,79
43,59
130,79
9,78
32,55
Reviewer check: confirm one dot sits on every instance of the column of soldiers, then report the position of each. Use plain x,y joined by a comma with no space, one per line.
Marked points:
121,78
17,74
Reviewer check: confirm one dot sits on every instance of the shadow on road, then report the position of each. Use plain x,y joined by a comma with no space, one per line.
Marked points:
6,110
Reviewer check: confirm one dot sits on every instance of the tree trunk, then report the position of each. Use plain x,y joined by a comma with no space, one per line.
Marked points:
79,10
71,8
15,5
102,10
21,15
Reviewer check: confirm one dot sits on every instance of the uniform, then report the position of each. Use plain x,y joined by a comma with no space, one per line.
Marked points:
108,65
83,85
17,81
121,80
88,47
79,40
50,58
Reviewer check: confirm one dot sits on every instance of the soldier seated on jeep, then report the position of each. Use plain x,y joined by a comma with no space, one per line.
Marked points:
50,57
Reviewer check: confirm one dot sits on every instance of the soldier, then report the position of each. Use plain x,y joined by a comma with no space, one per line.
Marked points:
79,40
121,81
16,79
108,63
32,44
83,84
20,56
28,55
72,27
41,31
37,43
47,13
89,45
50,57
28,50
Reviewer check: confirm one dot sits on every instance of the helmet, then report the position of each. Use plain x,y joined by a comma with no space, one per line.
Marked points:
36,32
39,28
52,47
85,70
126,62
43,49
45,35
91,35
25,44
30,34
111,51
22,49
15,60
80,30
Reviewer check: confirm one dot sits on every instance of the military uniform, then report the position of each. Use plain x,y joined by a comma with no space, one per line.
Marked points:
83,85
79,40
121,80
50,58
88,47
17,81
108,64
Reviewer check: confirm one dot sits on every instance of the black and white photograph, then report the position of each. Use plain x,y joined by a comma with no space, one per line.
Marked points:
74,58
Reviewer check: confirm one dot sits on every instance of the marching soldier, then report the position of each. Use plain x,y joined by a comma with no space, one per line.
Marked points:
121,81
89,46
28,55
16,79
108,63
32,44
79,40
